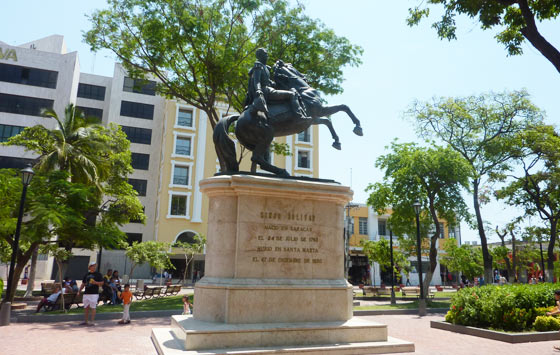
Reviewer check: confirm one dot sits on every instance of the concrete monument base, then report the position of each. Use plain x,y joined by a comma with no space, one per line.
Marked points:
274,275
355,336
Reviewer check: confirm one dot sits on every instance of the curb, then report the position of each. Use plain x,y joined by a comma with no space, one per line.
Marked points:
99,316
380,312
512,338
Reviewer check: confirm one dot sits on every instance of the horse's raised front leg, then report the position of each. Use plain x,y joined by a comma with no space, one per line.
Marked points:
328,123
329,110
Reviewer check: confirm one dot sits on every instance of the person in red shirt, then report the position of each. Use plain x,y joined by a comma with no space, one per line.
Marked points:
126,297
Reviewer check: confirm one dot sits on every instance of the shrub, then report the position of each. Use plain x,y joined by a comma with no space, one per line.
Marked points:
546,323
508,307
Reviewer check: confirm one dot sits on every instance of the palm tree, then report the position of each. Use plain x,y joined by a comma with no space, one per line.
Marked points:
74,147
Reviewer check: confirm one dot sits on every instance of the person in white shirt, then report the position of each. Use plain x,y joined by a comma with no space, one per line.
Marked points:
49,300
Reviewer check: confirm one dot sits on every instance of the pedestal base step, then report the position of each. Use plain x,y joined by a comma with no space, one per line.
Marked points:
167,343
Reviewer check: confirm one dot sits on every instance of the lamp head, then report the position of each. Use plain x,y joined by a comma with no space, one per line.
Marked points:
26,175
417,206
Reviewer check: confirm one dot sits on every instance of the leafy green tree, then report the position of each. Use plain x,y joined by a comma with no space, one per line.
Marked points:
201,51
151,252
76,205
189,250
516,19
465,259
434,176
537,189
380,252
484,130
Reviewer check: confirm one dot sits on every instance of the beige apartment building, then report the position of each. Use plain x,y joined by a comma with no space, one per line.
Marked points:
171,143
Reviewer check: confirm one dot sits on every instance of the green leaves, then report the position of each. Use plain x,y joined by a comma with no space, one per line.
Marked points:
380,252
517,21
201,51
465,259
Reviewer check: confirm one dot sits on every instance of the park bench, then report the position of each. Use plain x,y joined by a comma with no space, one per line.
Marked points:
415,291
370,289
157,292
68,301
172,290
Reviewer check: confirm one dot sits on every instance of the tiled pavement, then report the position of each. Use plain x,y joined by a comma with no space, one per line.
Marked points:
107,337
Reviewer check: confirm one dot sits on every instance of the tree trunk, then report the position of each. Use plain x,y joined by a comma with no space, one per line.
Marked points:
531,32
32,273
17,272
433,250
486,257
513,256
506,258
133,265
550,251
59,263
185,271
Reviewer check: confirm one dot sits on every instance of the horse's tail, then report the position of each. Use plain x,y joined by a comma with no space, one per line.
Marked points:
225,147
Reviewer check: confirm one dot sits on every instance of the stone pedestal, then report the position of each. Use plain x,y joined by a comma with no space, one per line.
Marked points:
274,273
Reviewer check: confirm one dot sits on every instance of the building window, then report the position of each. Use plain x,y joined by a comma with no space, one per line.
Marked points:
23,105
15,163
7,131
138,110
178,205
140,161
139,86
181,175
138,135
94,92
363,225
91,112
382,227
441,231
28,76
304,159
185,118
133,237
305,136
186,237
183,146
451,231
139,185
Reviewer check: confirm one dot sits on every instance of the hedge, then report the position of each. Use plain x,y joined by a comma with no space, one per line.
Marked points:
508,307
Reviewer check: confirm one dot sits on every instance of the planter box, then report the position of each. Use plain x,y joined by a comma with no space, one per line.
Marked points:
495,335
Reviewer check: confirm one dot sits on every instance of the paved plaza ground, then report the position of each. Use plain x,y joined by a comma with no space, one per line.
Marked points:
110,338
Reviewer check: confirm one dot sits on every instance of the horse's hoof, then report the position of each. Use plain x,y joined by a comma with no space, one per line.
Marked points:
358,131
337,146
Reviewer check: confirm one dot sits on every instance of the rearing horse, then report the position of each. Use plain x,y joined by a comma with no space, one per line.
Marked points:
255,131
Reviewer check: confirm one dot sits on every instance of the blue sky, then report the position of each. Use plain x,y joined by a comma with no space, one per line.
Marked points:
400,64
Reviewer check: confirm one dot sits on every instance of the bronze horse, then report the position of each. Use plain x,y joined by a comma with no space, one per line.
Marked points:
255,131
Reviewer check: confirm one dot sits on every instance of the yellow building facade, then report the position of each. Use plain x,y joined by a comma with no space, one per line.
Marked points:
188,156
368,225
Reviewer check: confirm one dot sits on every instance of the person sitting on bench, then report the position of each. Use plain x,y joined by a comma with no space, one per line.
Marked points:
51,299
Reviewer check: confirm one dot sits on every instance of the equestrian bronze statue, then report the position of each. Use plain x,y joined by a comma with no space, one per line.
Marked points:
274,108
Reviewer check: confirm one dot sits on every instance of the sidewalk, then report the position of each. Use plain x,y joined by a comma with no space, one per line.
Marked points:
110,338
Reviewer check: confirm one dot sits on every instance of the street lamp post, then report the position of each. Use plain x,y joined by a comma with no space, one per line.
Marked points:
393,301
421,300
26,176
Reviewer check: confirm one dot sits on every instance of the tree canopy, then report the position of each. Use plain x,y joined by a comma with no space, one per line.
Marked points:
537,189
201,51
517,21
484,130
79,195
435,176
462,258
